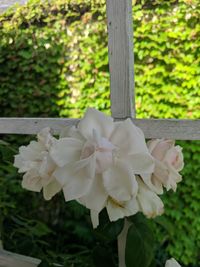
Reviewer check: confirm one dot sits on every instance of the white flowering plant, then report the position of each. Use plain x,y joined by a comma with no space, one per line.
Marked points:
109,168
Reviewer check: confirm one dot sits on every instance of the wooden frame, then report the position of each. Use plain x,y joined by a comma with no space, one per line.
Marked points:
152,128
120,43
8,259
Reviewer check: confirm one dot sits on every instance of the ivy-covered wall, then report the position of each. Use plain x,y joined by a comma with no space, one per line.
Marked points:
53,62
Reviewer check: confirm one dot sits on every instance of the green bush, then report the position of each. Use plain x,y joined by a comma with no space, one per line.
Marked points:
57,57
53,62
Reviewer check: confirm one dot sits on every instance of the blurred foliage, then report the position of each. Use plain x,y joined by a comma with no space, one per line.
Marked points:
56,55
53,62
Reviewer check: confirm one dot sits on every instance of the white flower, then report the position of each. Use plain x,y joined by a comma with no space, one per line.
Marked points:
149,203
172,263
97,163
168,163
38,165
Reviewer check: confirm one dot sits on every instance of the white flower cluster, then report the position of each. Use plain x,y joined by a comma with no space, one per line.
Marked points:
102,164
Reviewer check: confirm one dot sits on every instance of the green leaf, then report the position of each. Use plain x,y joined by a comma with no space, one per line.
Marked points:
108,231
102,257
139,244
45,263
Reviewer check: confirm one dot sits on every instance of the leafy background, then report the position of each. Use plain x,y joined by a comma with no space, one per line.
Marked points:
54,63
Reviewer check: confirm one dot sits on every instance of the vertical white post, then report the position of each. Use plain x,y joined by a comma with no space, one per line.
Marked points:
121,243
121,61
120,45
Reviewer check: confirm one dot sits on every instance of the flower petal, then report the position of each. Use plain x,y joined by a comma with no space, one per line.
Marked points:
158,147
96,197
94,218
45,137
76,178
129,138
141,163
66,150
46,169
32,181
95,119
51,189
153,183
174,157
25,165
72,131
119,182
150,204
158,179
173,179
116,212
180,163
32,152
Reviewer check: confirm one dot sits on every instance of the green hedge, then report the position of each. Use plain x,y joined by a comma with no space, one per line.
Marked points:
57,57
53,62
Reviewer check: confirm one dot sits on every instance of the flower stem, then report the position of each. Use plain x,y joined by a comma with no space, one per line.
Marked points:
122,243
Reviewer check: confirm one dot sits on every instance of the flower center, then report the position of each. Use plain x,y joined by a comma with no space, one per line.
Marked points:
103,150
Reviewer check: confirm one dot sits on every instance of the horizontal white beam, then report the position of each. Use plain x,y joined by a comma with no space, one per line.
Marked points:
152,128
33,125
9,259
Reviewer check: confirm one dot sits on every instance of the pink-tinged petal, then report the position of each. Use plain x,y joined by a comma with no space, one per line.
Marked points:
95,119
173,178
128,138
51,189
32,181
151,144
96,197
94,218
76,178
66,150
141,163
119,182
164,176
158,179
174,157
159,147
179,164
120,210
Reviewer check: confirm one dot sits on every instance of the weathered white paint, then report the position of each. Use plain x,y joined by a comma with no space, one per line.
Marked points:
33,125
152,128
120,45
9,259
